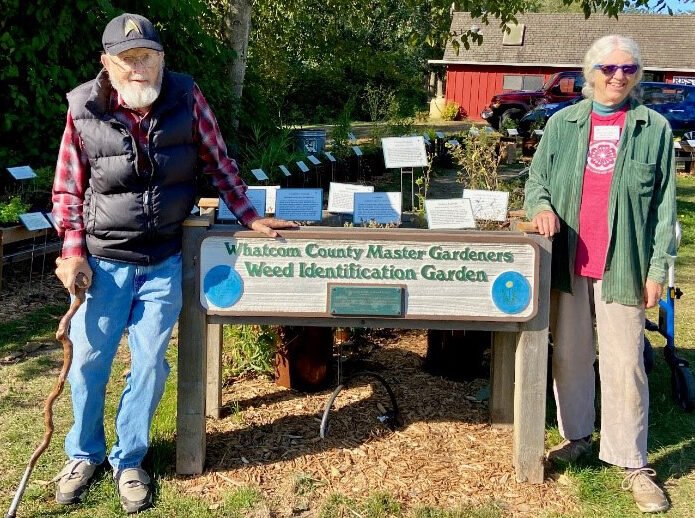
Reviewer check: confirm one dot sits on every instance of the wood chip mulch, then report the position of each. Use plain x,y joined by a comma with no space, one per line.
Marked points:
445,454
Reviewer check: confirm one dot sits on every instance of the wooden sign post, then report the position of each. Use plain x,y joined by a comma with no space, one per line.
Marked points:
351,277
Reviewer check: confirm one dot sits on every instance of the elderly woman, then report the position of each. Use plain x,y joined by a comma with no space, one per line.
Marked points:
602,183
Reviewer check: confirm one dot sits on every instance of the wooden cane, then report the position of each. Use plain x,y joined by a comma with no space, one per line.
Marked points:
62,336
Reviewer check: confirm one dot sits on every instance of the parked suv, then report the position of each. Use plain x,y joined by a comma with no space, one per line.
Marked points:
560,87
675,102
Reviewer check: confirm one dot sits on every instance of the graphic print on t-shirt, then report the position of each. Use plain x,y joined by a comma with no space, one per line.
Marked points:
601,156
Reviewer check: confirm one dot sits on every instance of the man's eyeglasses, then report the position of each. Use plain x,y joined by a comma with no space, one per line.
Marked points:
127,63
610,70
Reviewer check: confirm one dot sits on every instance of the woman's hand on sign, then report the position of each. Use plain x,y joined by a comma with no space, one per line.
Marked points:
269,226
547,222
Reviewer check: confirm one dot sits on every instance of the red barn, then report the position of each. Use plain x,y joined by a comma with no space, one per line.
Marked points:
544,43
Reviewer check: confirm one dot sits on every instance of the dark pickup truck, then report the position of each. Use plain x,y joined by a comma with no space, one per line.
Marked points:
560,87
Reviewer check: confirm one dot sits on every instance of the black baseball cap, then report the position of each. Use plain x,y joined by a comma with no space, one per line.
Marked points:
130,31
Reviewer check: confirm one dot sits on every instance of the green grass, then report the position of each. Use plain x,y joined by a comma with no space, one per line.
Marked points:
595,486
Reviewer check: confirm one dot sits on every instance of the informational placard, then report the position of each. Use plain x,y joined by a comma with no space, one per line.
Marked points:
380,207
357,150
488,205
338,272
513,132
341,196
329,156
455,213
453,142
351,136
439,134
299,204
677,145
538,132
255,196
302,166
426,138
23,172
313,160
284,170
270,191
691,143
49,217
259,174
404,152
34,221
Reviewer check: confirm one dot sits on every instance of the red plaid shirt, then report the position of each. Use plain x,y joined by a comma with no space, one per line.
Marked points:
72,170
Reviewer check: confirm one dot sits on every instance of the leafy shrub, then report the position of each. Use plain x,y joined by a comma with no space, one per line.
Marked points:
479,160
10,210
249,349
451,111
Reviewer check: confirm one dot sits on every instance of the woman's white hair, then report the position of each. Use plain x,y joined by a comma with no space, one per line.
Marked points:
598,52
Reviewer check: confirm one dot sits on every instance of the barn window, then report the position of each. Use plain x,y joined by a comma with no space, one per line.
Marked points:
521,82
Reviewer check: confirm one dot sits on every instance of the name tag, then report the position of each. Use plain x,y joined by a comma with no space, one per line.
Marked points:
606,133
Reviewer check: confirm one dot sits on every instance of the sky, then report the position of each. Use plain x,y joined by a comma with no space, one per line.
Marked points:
675,5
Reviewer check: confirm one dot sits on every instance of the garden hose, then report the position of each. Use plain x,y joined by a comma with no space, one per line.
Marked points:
392,417
62,337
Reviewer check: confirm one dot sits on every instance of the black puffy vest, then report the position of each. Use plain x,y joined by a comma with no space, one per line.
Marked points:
132,215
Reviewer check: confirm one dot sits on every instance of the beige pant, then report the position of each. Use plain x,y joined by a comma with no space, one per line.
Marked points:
624,387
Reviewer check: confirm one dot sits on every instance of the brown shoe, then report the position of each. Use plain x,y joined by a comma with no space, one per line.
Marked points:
649,497
569,451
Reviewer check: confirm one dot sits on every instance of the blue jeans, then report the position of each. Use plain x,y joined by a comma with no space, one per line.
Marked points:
146,300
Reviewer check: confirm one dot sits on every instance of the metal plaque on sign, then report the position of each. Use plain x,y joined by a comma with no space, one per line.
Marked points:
384,301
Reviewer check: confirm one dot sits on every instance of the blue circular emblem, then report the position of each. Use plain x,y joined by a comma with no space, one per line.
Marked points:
223,286
511,292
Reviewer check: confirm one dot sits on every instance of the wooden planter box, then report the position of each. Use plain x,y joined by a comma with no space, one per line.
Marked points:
17,233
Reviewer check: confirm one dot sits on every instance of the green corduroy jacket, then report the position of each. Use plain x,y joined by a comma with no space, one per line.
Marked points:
641,204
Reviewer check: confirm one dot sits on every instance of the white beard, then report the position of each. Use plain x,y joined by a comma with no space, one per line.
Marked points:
136,96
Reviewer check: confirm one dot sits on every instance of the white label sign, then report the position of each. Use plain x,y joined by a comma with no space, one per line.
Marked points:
453,142
270,191
404,152
380,207
255,196
259,174
442,277
330,156
351,136
357,150
341,196
439,134
285,171
302,167
538,132
313,160
34,221
454,213
488,205
23,172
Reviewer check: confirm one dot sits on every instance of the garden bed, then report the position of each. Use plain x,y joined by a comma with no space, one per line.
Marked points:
446,454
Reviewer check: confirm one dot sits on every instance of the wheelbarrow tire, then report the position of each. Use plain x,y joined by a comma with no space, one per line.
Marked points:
683,384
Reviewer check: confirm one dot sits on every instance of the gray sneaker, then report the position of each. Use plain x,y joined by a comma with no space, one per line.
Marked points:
134,489
73,480
649,497
569,451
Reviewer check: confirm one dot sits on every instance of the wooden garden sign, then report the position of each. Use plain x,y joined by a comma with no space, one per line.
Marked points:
361,277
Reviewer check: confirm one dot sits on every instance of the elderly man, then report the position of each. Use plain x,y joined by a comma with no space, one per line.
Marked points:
134,141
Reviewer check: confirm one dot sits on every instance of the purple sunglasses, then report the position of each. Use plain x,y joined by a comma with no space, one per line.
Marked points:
609,70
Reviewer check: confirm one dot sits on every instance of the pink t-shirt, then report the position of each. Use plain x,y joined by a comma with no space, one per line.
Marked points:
592,246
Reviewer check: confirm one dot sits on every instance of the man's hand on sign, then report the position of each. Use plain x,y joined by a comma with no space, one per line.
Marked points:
268,226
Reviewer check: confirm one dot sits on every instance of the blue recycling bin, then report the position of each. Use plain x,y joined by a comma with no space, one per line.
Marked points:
310,140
